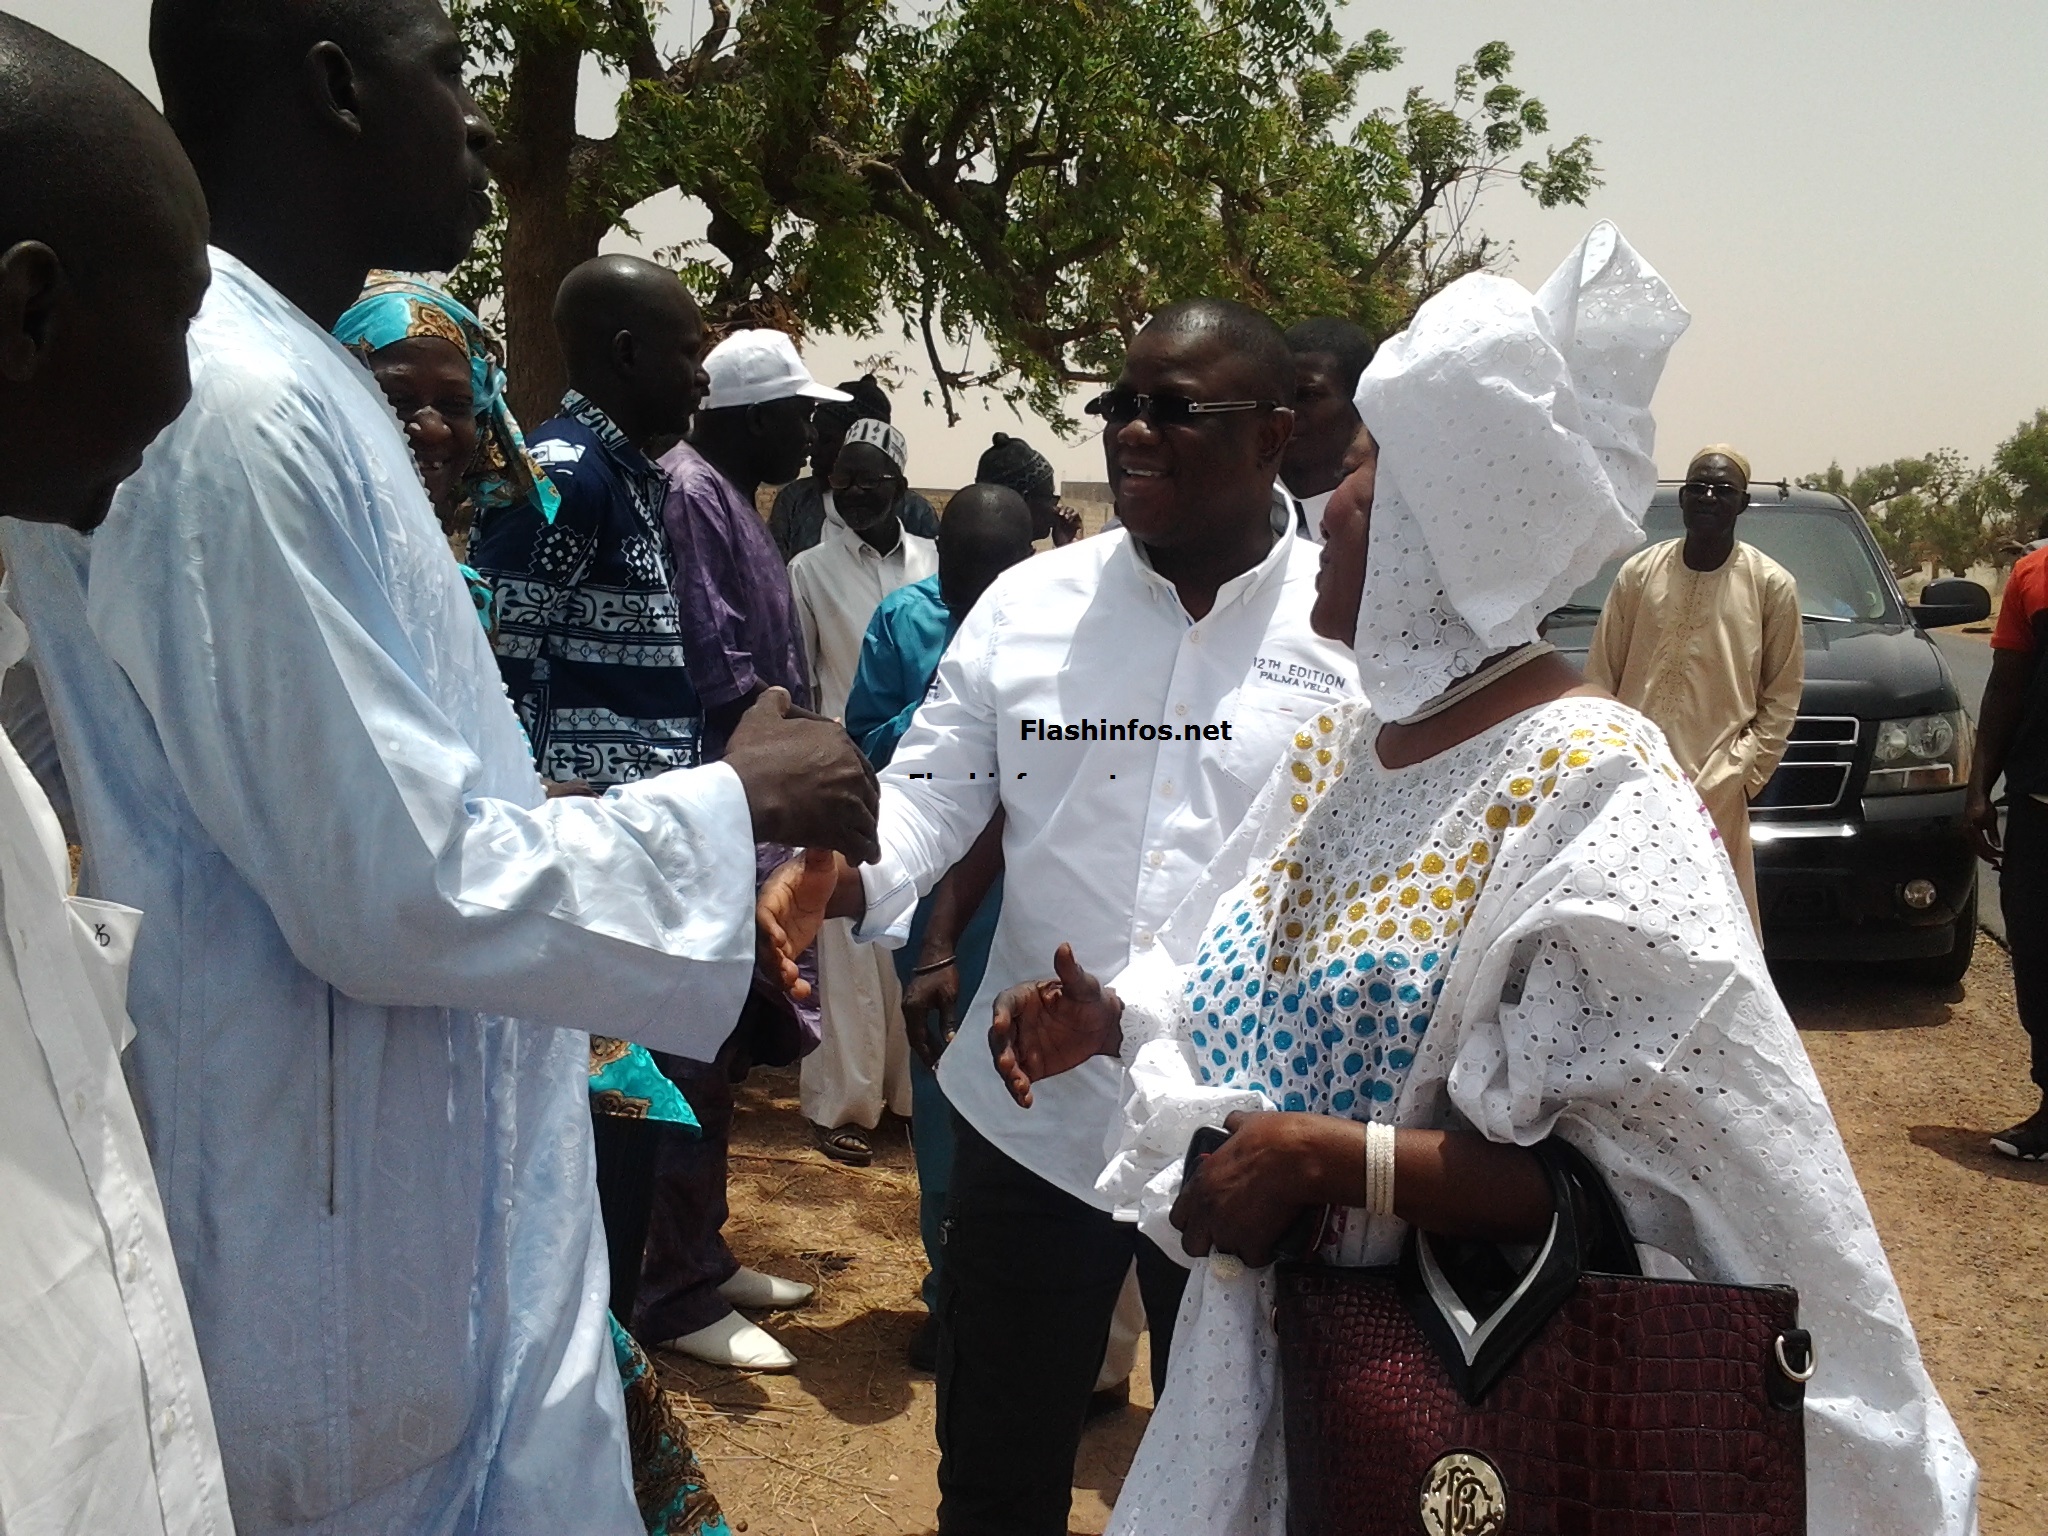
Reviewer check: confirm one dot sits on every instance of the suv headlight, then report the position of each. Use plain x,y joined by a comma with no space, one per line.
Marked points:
1922,752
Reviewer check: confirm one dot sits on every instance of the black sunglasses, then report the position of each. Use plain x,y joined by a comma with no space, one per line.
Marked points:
1717,490
1121,407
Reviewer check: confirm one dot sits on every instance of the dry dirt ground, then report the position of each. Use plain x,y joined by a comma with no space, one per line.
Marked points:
1917,1079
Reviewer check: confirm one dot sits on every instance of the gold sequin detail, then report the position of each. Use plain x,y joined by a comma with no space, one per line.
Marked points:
1301,771
1432,863
1300,804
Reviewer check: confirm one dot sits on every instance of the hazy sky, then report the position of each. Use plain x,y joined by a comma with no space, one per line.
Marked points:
1851,196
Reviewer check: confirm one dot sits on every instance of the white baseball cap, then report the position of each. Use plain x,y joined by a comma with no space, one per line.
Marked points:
753,367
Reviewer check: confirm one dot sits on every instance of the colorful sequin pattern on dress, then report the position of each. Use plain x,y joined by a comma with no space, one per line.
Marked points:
1317,984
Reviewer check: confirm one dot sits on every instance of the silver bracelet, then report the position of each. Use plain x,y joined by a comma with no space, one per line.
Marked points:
1379,1169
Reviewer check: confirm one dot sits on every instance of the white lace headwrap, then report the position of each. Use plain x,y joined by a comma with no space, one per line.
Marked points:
1515,456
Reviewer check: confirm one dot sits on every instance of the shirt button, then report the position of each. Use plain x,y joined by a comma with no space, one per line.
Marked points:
1194,637
1142,938
1180,709
1155,858
1166,788
167,1424
129,1266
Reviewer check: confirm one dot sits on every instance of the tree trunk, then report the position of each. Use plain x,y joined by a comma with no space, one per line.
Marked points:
545,233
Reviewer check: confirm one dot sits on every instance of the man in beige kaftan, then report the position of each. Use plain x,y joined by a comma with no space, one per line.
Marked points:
1702,635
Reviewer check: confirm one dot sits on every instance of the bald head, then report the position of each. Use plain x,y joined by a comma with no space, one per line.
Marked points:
633,339
1240,329
102,266
86,164
984,530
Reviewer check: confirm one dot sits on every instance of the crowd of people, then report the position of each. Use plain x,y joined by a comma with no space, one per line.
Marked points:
497,799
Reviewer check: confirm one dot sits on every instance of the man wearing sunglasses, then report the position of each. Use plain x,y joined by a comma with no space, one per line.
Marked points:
1702,634
1120,700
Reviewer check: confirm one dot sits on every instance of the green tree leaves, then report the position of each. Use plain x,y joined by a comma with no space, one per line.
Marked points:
1023,180
1938,509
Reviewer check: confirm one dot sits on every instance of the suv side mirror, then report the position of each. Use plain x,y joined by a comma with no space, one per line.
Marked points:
1943,603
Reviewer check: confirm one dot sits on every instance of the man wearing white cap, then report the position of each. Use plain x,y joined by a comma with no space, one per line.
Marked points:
862,1064
741,636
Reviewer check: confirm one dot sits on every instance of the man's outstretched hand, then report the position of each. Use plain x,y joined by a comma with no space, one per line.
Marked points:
807,784
789,911
1044,1028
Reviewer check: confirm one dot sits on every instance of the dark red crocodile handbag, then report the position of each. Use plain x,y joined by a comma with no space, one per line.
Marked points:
1453,1395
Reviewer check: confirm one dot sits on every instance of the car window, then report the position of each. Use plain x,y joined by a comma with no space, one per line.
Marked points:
1838,576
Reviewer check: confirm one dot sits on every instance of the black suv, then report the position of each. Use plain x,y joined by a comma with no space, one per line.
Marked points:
1860,847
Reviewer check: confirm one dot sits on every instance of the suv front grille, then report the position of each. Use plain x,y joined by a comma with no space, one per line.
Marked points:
1815,772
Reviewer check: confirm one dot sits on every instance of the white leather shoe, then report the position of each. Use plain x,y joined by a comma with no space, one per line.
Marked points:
735,1342
751,1288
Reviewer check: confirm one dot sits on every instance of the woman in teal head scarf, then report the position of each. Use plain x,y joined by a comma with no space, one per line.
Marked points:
443,373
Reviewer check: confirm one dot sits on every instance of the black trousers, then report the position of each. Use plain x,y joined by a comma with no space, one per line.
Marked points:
686,1258
1030,1284
2023,896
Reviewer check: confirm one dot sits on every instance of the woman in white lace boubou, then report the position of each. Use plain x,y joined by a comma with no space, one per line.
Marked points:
1482,910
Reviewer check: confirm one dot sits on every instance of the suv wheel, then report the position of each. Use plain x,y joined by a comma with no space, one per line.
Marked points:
1945,970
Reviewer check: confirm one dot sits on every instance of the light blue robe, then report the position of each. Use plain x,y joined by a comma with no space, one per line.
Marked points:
289,745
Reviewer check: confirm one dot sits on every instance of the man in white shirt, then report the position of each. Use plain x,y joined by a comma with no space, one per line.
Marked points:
1122,700
862,1063
1329,356
104,1419
289,743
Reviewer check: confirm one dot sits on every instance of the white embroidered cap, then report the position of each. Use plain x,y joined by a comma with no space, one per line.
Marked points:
879,434
754,367
1515,443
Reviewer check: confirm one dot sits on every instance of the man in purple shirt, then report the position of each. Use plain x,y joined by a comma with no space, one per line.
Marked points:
740,636
740,629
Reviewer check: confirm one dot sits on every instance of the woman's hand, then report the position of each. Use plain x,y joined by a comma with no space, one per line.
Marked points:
1246,1194
788,912
1044,1028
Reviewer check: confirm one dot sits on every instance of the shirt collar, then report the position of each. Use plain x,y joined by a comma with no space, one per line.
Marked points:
580,408
839,530
1240,588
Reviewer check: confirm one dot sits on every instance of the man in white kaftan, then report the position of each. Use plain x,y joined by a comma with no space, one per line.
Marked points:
862,1063
104,1424
288,742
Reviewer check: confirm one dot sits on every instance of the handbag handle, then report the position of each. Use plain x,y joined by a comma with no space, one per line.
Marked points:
1477,1311
1479,1321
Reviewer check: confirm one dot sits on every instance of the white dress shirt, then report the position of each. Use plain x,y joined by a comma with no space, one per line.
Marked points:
839,581
1103,837
288,743
104,1421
